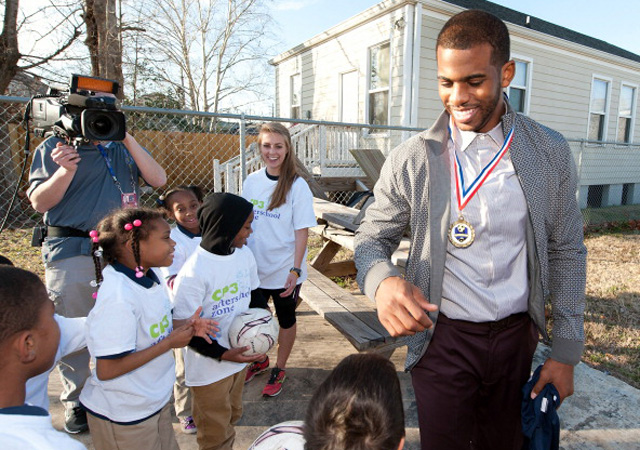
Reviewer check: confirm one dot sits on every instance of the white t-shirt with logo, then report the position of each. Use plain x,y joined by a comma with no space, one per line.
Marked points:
185,246
222,285
33,432
273,240
127,316
72,339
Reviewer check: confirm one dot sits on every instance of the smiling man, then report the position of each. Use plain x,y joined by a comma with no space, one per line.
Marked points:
489,196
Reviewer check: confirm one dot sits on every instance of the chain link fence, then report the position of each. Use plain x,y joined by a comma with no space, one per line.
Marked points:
216,152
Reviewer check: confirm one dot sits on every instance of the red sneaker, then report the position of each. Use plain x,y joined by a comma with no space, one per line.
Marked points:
256,368
274,385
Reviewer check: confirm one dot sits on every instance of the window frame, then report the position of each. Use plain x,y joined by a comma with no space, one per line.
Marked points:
527,89
634,103
291,96
607,106
371,91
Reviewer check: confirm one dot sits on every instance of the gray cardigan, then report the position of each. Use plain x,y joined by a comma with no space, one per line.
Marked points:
414,189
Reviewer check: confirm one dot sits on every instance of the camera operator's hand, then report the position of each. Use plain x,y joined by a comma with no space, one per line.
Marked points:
66,156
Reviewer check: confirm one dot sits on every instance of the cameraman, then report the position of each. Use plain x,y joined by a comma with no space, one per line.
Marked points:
75,188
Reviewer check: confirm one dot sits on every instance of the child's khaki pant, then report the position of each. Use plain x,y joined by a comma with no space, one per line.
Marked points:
155,433
216,409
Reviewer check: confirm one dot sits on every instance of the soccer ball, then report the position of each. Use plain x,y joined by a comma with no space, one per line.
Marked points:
255,328
284,436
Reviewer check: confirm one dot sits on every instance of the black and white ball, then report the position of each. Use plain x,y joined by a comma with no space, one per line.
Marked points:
255,328
284,436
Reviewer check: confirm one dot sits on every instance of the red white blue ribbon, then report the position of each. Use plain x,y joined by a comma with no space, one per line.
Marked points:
463,193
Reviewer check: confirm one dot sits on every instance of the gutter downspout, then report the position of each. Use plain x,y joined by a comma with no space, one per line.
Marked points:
407,73
417,46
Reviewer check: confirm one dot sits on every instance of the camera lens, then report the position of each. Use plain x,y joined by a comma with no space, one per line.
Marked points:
101,125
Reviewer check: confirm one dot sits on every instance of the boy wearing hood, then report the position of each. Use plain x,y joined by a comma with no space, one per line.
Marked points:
221,276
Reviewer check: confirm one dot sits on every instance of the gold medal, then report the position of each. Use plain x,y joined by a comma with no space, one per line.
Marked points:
461,233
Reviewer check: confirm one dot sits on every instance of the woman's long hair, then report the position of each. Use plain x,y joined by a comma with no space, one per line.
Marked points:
288,170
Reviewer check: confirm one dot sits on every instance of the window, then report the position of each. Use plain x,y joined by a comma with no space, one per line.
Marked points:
379,65
626,113
598,110
519,88
296,94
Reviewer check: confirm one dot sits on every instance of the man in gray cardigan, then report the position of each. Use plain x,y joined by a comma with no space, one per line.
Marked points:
489,196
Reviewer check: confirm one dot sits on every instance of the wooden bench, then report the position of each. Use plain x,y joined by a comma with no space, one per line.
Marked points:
370,161
354,316
337,228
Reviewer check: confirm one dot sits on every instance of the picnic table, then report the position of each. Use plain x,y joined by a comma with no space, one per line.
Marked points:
355,316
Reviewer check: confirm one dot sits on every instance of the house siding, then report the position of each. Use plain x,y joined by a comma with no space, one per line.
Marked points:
562,73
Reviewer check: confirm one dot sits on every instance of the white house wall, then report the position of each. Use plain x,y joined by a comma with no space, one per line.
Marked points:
560,82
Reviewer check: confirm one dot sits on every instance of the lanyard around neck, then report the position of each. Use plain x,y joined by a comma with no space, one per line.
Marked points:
107,162
464,193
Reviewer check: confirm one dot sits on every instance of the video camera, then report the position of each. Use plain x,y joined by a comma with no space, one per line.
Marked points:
80,113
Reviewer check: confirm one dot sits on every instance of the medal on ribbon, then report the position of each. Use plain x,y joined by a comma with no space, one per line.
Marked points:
461,232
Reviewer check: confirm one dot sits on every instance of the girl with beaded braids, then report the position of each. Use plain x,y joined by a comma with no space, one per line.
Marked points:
130,334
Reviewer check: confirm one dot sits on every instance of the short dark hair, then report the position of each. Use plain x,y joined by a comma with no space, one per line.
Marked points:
22,295
358,407
164,201
473,27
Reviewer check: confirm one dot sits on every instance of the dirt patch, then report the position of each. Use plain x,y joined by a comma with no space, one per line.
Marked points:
612,314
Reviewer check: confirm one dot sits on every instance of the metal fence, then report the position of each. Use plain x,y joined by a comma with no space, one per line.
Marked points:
216,151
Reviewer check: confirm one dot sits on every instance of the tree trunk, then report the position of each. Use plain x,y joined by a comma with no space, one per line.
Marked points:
9,53
103,40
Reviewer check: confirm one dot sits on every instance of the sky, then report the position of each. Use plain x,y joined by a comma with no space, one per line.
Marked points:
613,21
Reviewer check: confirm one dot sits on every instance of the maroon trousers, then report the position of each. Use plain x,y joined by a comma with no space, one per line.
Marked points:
468,385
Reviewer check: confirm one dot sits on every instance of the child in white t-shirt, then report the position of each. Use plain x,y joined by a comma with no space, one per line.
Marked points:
221,278
72,339
29,338
181,204
283,206
130,335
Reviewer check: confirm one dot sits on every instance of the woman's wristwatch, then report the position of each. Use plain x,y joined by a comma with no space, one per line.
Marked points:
296,270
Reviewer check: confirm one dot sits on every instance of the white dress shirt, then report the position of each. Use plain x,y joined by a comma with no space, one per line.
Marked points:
486,281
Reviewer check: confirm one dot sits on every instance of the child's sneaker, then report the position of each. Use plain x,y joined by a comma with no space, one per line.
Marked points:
274,385
188,425
256,368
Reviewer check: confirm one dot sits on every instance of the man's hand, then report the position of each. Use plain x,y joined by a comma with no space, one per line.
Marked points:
66,156
558,374
402,307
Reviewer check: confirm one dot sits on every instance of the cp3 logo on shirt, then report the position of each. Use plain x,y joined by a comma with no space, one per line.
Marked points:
158,329
219,293
258,203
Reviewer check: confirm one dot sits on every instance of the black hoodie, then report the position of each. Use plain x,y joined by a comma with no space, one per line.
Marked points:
221,217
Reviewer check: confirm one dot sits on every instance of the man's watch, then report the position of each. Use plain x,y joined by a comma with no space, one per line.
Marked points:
296,270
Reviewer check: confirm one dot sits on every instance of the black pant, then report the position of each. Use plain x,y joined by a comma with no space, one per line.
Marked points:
468,384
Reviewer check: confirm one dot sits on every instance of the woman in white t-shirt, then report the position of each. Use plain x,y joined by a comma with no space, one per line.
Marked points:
283,213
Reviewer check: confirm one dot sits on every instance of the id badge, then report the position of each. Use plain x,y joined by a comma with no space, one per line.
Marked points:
130,200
